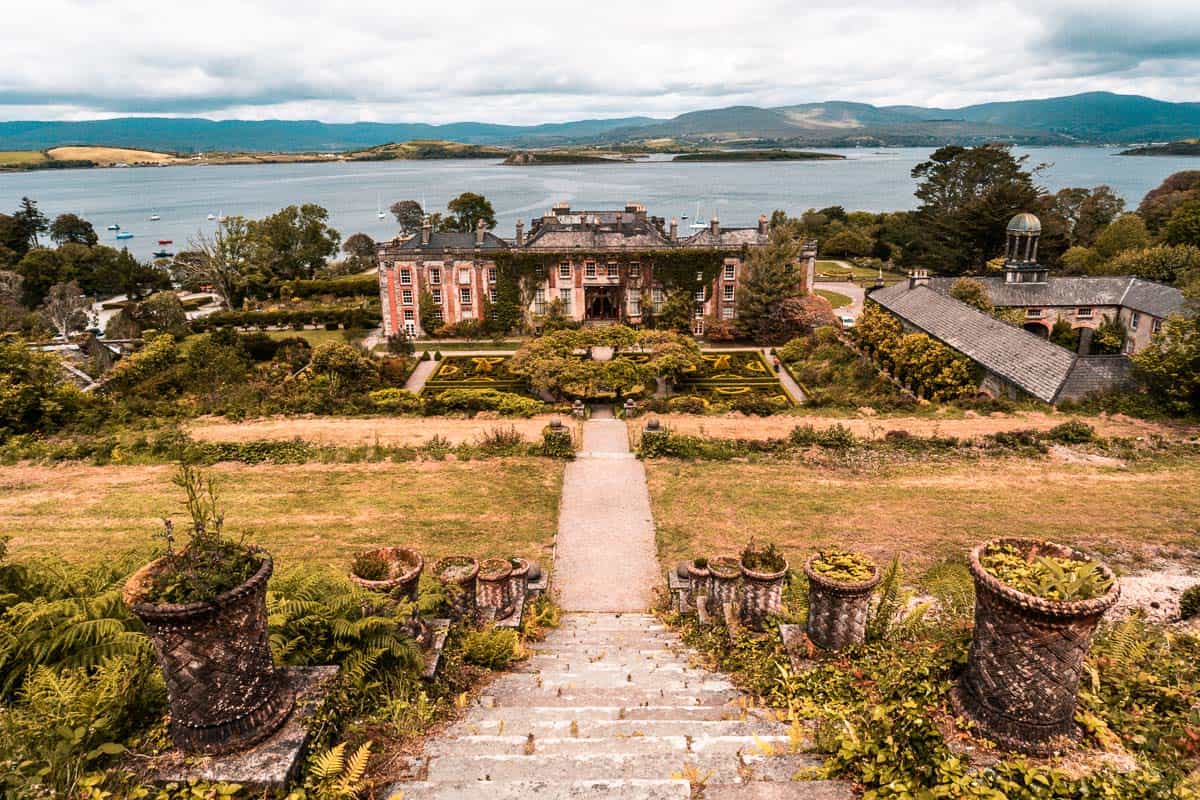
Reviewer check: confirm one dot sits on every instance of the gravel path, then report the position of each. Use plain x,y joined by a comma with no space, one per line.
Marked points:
416,381
605,555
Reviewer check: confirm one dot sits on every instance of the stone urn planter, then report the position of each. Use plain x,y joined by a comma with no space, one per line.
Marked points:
390,570
225,692
839,598
723,575
700,580
518,579
493,589
1027,651
458,574
763,575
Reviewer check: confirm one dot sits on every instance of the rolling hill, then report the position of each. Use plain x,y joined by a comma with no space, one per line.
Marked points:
1092,118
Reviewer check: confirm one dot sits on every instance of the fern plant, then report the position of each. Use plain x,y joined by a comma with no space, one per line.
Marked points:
334,776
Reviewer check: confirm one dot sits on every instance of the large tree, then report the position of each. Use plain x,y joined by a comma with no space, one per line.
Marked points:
409,216
1184,225
30,222
1160,202
967,197
74,229
293,243
220,260
65,308
772,277
467,210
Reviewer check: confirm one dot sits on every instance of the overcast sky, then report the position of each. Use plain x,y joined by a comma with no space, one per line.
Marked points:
525,62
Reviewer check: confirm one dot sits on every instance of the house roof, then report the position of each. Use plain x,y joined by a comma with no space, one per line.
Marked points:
1149,297
453,240
728,237
1032,363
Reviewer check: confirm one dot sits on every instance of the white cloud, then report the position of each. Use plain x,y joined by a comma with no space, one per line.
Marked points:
524,61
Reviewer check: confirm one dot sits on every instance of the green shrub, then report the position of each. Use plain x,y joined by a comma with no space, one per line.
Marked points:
1072,432
351,286
396,400
687,404
1189,602
495,648
473,400
557,443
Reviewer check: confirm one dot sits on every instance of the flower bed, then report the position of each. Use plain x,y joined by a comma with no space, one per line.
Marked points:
734,379
475,372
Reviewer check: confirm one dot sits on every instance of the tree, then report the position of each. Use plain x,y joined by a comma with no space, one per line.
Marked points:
466,210
1080,260
360,246
40,269
1085,212
1109,338
967,197
1169,367
30,222
293,243
409,216
125,275
431,313
221,261
162,312
66,308
677,312
1184,225
1126,232
1064,335
1160,202
973,293
848,241
33,395
1162,263
772,276
72,228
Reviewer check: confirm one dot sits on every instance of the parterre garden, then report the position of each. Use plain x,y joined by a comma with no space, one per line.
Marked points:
731,378
476,372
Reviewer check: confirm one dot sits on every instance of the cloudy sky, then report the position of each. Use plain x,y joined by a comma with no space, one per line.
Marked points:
523,62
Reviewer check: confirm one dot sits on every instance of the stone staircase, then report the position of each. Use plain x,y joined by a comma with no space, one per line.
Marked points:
608,707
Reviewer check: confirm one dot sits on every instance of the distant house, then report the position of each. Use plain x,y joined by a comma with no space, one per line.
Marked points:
1021,361
597,267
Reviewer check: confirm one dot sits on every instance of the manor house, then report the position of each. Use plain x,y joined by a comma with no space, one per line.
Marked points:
597,266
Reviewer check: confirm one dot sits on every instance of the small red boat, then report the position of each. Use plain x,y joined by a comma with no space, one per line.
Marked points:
165,241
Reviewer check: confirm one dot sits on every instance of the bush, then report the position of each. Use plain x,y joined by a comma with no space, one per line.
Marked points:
687,404
1072,432
395,400
1189,602
351,286
474,400
557,443
494,648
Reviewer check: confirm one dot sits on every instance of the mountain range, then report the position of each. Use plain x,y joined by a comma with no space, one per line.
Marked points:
1092,118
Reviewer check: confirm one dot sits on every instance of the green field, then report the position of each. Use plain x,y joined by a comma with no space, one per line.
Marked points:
314,337
19,158
836,299
835,271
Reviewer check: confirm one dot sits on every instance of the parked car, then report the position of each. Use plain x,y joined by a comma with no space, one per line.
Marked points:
846,320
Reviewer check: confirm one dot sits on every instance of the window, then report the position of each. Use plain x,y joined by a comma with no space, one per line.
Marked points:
727,312
614,269
657,299
1084,313
589,270
700,295
437,296
464,297
564,270
729,271
437,314
1033,313
409,316
634,303
435,275
1134,319
464,276
1156,326
491,274
539,301
564,295
699,311
406,277
491,295
729,291
700,275
539,271
406,297
635,270
1127,346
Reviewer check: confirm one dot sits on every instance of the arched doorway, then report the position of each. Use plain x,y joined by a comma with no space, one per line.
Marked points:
1038,329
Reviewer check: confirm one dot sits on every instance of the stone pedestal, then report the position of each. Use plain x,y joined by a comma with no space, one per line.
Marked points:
272,763
433,656
680,588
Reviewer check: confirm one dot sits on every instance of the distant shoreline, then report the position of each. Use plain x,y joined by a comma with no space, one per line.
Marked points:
1188,147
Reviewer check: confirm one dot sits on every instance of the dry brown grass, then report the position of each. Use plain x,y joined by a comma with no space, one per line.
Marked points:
110,155
307,513
739,427
923,512
353,431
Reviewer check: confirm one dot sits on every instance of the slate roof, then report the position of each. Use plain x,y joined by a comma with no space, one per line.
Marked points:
728,237
1149,297
1032,363
1094,374
453,240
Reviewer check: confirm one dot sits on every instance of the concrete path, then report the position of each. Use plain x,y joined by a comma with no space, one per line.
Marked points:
855,292
604,556
790,386
416,381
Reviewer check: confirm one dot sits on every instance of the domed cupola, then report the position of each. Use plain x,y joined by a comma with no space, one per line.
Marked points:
1020,253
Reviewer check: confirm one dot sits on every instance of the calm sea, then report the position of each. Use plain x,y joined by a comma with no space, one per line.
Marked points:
870,180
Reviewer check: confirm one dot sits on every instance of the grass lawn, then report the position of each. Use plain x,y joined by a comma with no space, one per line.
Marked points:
316,337
314,513
452,347
836,299
923,512
16,158
860,275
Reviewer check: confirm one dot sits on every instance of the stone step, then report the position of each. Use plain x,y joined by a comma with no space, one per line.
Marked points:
795,790
627,696
517,744
606,651
549,663
643,681
724,767
559,725
611,622
638,639
687,714
632,789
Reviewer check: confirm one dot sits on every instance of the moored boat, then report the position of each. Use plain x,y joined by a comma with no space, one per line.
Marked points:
124,235
165,241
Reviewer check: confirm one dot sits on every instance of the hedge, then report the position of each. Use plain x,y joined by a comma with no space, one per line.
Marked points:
352,286
297,318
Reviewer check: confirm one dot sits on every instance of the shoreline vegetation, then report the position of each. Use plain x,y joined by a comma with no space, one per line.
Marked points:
1184,147
775,154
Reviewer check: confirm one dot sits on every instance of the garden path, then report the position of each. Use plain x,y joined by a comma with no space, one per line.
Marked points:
789,385
416,381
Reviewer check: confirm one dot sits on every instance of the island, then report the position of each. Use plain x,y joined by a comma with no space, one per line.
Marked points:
426,149
757,155
1184,147
534,158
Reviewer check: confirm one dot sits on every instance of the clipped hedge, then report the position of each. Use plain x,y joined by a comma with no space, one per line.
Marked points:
352,286
297,318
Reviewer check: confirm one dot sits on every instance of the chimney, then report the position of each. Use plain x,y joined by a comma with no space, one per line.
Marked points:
763,224
714,226
520,233
426,230
561,209
918,277
480,230
674,229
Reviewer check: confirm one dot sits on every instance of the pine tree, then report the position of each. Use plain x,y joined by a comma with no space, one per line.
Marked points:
772,277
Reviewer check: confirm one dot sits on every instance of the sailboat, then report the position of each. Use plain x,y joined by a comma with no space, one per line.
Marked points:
155,217
698,224
114,227
379,208
211,217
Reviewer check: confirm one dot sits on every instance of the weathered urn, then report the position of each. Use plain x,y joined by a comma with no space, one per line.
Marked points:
493,590
724,573
762,594
224,690
518,579
404,573
1027,654
458,574
837,610
700,583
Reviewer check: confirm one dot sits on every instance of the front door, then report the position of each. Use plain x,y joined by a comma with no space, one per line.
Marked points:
602,302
